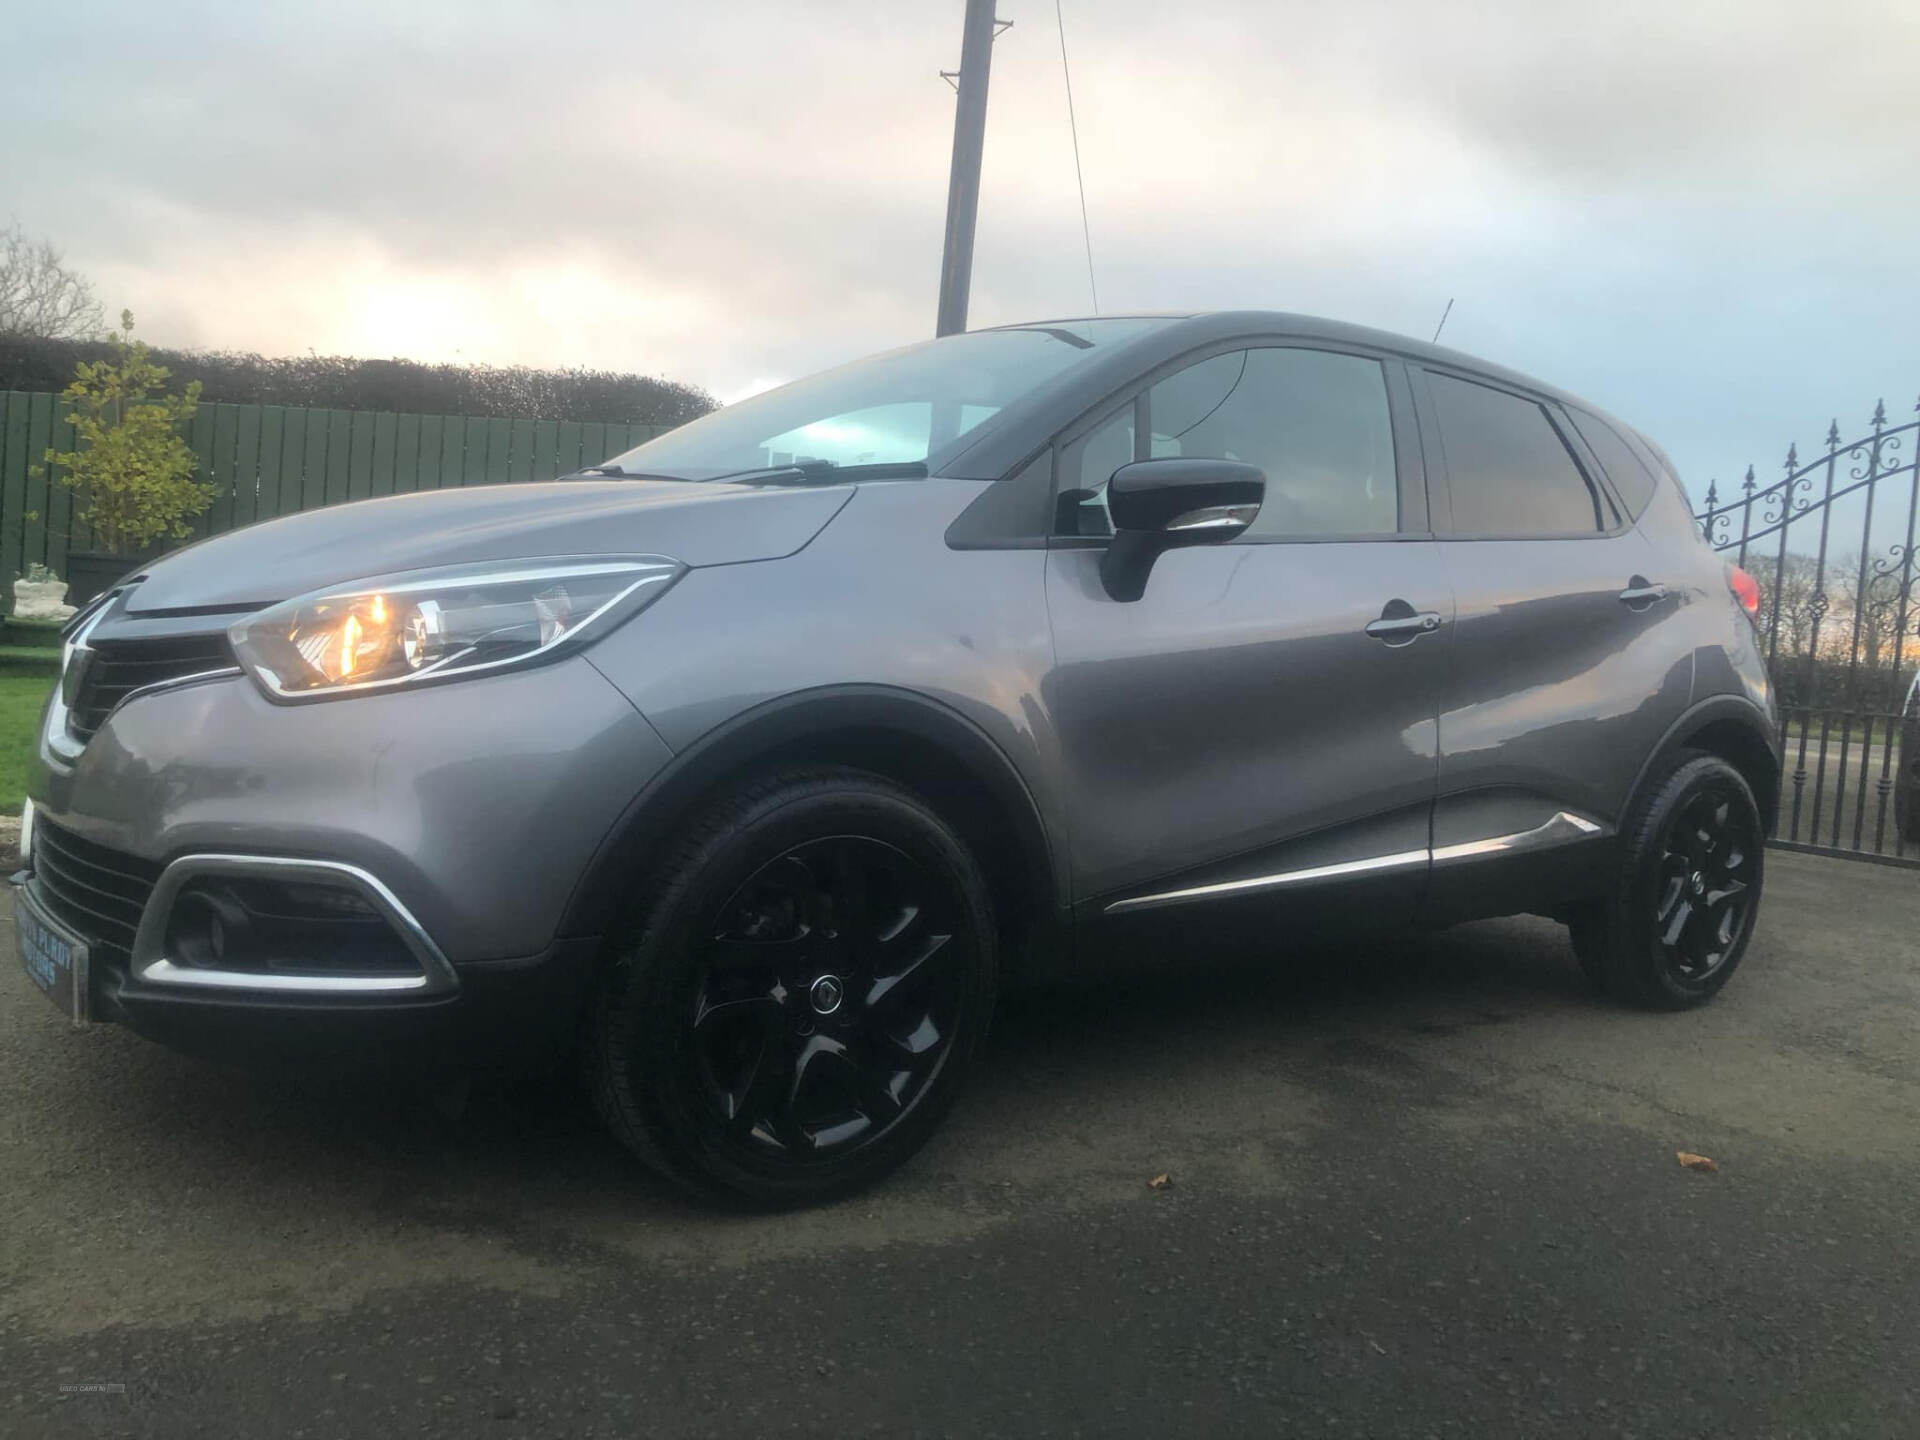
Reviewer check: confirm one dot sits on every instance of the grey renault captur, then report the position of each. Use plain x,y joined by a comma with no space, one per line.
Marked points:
746,767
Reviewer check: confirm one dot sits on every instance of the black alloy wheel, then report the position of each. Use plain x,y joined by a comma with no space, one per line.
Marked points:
1689,890
791,1013
1707,864
828,998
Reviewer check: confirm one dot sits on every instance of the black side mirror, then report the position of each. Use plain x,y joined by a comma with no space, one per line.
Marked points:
1161,505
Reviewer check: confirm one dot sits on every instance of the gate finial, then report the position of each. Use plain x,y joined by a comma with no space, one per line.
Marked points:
1879,414
1747,484
1833,435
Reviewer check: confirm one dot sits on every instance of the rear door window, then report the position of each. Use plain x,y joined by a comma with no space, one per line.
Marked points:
1508,471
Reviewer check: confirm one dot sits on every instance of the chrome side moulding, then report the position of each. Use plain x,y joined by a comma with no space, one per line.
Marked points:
1562,829
151,965
1405,860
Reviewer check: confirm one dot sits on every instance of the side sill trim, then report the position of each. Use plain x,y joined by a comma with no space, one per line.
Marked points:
1563,828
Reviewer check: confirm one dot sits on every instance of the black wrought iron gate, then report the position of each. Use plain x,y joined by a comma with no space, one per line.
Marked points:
1832,546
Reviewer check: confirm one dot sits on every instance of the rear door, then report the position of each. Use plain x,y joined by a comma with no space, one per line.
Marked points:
1246,739
1567,665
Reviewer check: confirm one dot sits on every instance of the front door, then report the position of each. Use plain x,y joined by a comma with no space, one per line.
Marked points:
1255,735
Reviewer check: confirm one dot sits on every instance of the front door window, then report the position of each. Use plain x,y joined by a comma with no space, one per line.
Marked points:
1316,422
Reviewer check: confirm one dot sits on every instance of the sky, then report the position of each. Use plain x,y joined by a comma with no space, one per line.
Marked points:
1700,215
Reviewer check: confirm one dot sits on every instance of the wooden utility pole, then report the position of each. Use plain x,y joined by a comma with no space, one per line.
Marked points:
963,186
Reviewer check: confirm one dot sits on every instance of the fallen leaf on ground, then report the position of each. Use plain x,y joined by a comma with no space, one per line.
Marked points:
1160,1182
1693,1161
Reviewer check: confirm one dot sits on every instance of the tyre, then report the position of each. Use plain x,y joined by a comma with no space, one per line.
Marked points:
1682,911
794,1008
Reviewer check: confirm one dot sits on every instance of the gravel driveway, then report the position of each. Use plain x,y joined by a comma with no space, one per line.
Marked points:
1426,1188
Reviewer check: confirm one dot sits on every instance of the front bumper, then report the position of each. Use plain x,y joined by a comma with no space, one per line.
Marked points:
474,808
511,1015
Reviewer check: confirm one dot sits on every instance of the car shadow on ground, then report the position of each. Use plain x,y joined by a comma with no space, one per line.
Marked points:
526,1139
1499,966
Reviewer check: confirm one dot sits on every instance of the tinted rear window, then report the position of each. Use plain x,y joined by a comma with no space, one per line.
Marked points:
1629,474
1508,471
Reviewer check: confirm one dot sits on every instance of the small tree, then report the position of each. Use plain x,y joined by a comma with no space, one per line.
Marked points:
132,473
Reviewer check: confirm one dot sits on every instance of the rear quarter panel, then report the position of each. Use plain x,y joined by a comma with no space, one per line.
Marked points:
1728,658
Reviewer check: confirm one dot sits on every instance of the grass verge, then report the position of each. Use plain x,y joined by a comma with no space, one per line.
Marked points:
21,696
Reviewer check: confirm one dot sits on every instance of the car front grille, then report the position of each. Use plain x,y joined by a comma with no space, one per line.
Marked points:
97,891
117,668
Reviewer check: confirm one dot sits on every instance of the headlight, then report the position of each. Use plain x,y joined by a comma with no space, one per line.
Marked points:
425,625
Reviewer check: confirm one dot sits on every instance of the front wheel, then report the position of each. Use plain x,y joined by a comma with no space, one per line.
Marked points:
794,1011
1683,908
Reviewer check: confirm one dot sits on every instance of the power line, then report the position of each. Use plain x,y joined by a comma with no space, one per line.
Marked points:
1086,232
1443,320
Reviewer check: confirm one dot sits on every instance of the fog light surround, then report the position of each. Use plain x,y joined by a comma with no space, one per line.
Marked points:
260,922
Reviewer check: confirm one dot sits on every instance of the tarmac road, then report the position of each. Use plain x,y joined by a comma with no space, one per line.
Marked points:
1428,1188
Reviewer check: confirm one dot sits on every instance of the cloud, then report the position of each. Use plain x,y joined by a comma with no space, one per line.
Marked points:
1697,213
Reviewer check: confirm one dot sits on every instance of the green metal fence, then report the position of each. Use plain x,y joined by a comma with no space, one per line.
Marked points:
267,460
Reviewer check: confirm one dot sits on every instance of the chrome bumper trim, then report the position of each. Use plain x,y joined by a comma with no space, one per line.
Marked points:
150,964
59,744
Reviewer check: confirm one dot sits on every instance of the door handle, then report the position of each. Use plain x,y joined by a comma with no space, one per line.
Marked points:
1640,594
1399,629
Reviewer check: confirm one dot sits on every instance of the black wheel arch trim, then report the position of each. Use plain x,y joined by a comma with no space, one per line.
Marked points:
1700,716
789,723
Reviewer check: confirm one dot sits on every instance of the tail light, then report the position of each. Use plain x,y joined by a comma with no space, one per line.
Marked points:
1745,589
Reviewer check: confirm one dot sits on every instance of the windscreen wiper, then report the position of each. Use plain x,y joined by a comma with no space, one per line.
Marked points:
809,472
613,472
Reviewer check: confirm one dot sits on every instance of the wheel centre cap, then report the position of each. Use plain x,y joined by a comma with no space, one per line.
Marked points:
826,994
1699,882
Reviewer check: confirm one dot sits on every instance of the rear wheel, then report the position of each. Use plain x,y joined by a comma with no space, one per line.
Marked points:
795,1011
1683,908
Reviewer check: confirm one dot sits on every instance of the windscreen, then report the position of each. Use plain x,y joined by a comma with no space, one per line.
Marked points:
903,407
